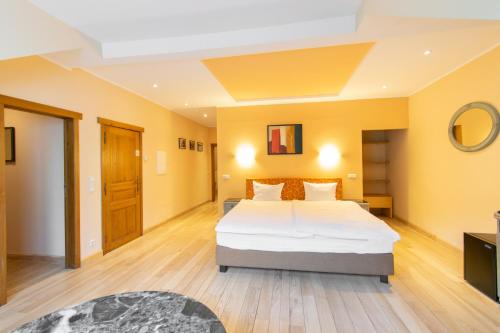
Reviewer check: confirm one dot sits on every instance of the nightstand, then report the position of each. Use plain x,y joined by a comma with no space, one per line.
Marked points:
364,204
480,263
383,201
230,203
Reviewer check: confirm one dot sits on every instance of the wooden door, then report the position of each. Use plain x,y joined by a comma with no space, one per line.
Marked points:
121,186
213,154
3,215
71,181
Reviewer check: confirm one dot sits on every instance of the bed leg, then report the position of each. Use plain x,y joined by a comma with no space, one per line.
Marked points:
384,279
223,269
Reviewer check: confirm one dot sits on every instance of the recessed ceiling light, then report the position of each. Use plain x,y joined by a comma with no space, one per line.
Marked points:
205,115
427,52
155,85
384,86
186,104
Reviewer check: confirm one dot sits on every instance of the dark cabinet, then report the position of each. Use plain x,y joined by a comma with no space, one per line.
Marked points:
480,264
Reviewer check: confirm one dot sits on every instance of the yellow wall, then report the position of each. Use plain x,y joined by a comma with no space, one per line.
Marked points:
186,183
212,135
451,191
338,123
35,204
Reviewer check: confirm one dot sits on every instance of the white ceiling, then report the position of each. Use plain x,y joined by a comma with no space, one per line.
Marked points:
138,43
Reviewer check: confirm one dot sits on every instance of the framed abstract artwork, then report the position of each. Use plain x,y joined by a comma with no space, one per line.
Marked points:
191,144
200,146
284,139
182,143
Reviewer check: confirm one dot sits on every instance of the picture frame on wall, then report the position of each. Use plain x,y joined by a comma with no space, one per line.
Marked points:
182,143
200,146
192,144
284,139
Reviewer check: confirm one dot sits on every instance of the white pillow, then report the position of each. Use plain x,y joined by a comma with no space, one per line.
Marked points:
266,192
320,191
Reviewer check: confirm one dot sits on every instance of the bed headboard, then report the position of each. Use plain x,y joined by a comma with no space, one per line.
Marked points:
294,187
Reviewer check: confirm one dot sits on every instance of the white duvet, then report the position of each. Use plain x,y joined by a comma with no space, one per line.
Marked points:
339,219
260,218
301,219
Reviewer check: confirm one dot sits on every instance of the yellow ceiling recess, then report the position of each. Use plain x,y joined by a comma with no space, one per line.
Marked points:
321,71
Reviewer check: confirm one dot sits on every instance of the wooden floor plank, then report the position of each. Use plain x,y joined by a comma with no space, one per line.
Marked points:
297,323
343,323
310,308
325,316
355,309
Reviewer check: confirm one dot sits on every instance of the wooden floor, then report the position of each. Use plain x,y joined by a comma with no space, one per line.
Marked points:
427,294
24,272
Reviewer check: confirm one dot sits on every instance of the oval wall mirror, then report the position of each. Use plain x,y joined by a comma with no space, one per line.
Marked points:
474,126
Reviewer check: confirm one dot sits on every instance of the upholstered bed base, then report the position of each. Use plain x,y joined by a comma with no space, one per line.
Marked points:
346,263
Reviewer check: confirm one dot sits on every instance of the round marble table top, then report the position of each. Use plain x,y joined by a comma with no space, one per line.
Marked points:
147,311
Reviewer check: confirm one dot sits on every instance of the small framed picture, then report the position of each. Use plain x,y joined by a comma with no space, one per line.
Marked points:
200,146
191,144
10,145
182,143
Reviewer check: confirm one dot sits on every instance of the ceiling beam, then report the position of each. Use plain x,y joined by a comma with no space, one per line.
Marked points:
434,9
230,39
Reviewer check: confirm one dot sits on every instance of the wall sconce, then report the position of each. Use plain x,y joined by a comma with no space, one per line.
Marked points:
245,155
329,156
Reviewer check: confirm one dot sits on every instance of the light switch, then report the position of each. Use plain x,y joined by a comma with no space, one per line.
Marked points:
352,176
91,184
226,177
161,162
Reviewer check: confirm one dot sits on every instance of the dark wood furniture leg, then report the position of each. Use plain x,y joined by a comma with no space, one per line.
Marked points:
384,278
223,269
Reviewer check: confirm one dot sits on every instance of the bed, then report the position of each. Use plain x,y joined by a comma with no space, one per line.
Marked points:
293,234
